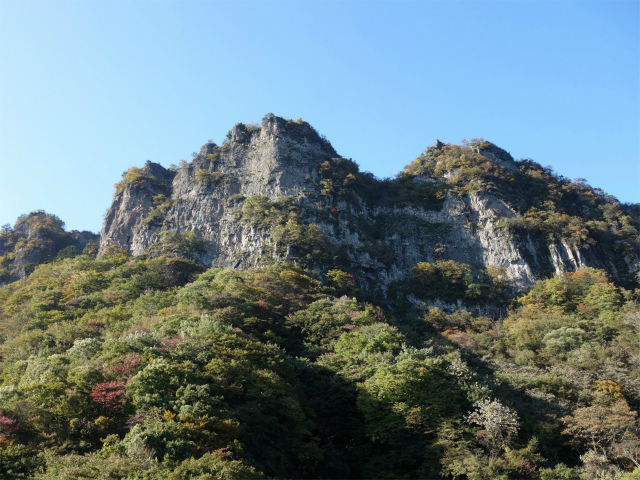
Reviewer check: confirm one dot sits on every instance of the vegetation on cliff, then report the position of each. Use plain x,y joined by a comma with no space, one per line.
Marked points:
279,191
551,209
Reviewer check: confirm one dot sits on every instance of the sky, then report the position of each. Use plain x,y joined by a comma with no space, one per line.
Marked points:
89,89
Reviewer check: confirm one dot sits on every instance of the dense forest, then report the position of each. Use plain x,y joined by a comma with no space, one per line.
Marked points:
139,367
148,366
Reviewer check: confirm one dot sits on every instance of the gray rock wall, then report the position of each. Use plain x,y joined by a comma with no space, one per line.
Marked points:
280,158
264,161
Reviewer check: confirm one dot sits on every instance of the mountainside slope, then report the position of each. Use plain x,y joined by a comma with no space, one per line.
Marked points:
142,368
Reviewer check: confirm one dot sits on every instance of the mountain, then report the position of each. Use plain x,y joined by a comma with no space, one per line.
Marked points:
279,191
269,311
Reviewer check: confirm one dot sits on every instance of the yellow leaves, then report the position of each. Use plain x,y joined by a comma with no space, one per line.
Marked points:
168,416
608,388
227,428
102,423
208,178
324,167
328,187
348,180
82,283
117,313
605,427
296,280
134,177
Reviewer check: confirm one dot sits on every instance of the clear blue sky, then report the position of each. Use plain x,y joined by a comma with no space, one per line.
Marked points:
91,88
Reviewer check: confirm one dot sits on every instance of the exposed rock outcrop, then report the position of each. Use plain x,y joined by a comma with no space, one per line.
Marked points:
276,159
380,241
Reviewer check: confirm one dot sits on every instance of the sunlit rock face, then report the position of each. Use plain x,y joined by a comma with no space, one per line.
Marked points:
272,160
376,239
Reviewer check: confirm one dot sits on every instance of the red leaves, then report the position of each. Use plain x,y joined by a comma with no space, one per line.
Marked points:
110,395
127,367
261,308
169,344
7,426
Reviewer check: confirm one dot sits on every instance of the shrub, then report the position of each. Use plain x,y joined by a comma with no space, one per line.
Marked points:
109,395
445,279
235,199
134,178
499,422
67,252
208,178
161,205
170,242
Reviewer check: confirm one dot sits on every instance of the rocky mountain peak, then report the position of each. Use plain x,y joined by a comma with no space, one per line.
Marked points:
498,155
279,191
277,158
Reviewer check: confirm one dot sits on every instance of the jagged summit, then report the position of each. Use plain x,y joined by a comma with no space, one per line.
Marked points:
279,191
277,158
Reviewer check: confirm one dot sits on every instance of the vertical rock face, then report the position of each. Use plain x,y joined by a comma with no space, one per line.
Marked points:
376,230
276,159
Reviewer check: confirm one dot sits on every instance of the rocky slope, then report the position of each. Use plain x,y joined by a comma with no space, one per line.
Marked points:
280,191
38,238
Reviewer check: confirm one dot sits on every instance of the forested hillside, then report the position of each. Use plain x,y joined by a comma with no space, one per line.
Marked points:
39,238
133,367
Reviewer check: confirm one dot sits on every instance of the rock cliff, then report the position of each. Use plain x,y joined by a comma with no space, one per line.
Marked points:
277,159
279,191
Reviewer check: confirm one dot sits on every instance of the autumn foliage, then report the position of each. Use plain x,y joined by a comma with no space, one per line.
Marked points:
109,395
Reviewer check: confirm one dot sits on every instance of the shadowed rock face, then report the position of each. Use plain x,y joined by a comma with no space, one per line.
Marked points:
35,239
282,158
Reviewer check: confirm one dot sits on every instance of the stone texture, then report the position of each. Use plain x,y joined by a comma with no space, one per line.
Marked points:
280,158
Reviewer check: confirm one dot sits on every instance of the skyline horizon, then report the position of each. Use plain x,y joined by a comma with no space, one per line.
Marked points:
90,89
